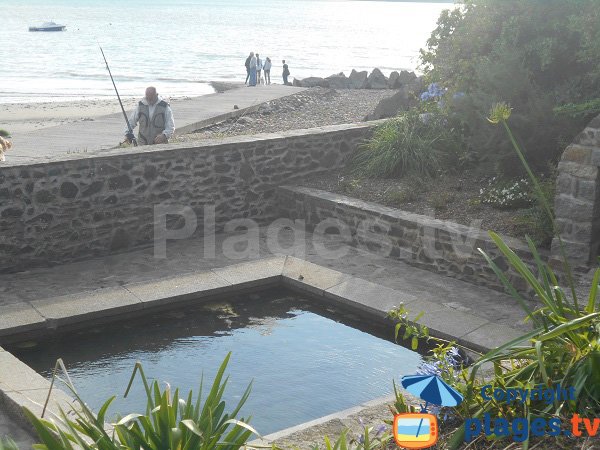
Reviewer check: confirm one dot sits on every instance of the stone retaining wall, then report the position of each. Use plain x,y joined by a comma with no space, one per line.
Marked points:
78,206
436,245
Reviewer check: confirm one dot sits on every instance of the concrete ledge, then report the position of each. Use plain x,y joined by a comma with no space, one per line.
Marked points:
21,386
85,306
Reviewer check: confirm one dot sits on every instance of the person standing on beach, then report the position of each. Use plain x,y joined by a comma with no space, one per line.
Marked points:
252,80
247,64
155,118
286,72
267,70
259,66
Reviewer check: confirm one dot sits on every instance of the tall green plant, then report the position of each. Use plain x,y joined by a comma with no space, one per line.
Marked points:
169,422
410,144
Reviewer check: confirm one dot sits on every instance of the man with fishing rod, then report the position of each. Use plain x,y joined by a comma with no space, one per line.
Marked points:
155,119
153,114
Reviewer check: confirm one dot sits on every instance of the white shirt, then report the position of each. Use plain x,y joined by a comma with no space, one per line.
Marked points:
169,122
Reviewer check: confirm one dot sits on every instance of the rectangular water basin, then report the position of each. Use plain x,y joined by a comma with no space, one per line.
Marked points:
306,359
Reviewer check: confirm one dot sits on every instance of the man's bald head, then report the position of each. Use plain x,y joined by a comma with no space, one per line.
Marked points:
151,95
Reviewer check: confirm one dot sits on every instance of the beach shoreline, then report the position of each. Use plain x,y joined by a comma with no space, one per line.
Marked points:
30,116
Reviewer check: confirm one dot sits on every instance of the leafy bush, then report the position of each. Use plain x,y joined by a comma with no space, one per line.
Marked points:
8,444
170,422
4,133
563,348
410,144
535,221
537,55
441,201
401,196
372,438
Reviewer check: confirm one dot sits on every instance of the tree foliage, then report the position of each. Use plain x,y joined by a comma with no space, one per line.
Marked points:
535,54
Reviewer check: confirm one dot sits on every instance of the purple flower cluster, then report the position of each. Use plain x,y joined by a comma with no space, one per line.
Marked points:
434,91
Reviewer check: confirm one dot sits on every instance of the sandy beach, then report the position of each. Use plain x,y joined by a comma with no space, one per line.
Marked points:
25,117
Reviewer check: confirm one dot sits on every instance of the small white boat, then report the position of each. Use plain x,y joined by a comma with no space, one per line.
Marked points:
48,26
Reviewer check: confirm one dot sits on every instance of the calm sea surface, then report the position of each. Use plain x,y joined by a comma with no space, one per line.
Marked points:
179,45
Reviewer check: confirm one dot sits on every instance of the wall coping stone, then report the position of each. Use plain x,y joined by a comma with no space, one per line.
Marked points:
420,219
216,144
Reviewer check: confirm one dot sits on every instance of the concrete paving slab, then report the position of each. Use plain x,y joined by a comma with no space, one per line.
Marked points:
491,335
20,318
34,399
447,323
89,137
253,273
19,434
301,274
181,288
18,376
368,296
72,308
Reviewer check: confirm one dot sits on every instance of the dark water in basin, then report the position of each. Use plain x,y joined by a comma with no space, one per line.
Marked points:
305,364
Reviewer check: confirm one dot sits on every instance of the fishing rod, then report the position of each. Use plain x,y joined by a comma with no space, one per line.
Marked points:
129,134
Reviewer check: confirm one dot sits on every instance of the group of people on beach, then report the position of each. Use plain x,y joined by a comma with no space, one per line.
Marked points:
259,72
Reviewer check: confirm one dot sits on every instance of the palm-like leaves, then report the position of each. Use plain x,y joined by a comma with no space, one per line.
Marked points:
169,422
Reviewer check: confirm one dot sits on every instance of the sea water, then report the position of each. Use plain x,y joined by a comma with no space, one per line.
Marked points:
180,45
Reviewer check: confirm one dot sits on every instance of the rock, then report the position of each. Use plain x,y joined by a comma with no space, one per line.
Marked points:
296,82
406,77
236,107
313,82
338,81
245,120
391,106
377,80
393,80
358,80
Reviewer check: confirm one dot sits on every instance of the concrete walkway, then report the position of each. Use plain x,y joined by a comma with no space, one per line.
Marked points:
106,132
19,290
474,314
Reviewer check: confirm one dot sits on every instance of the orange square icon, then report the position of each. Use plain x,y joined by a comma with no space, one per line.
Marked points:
413,430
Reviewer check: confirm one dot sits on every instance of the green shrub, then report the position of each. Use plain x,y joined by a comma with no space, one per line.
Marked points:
399,197
441,200
372,438
347,184
8,444
537,55
4,133
563,348
410,144
535,221
170,422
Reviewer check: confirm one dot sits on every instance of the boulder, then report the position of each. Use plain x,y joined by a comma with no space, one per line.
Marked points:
313,82
377,80
338,81
296,82
402,100
393,80
406,77
358,80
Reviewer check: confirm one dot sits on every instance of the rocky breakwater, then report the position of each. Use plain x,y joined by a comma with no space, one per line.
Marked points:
407,84
361,80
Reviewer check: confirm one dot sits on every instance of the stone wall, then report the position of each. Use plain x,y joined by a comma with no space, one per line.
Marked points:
80,206
577,201
439,246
